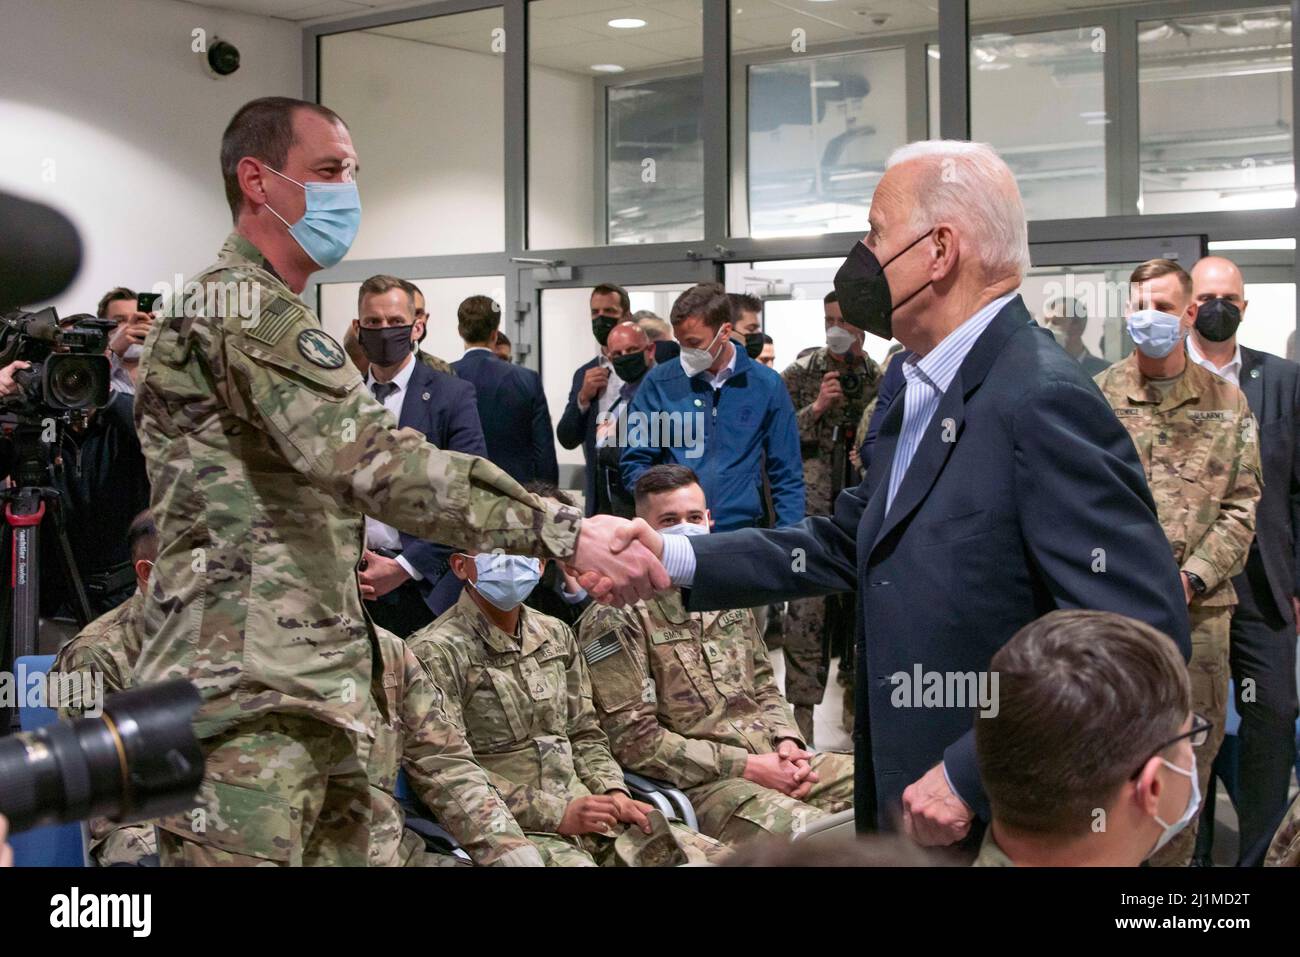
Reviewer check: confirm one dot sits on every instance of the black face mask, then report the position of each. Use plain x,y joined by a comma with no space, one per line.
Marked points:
754,344
601,327
1217,319
385,346
630,368
863,291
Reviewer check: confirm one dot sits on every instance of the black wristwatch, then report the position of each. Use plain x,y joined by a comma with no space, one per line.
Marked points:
1198,586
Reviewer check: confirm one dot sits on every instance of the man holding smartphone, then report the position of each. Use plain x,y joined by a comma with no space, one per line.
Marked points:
133,315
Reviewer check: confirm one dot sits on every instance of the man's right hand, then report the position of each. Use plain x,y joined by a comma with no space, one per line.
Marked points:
595,814
8,384
594,381
613,560
130,332
830,396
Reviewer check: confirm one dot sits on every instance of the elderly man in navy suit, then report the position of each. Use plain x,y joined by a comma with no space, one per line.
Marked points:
406,581
1001,487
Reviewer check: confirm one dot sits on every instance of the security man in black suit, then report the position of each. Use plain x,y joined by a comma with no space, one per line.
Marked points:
1263,636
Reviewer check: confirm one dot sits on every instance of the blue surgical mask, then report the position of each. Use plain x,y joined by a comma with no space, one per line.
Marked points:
506,580
1155,333
1193,805
685,528
330,222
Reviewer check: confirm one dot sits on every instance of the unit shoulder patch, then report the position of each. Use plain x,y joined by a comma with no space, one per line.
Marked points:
320,349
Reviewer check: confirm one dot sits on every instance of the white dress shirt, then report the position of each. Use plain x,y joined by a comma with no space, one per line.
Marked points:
379,535
1231,371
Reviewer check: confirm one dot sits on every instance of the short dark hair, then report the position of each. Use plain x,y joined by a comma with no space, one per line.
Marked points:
262,129
411,287
502,337
1066,307
116,294
378,285
547,490
663,478
624,302
142,538
831,297
767,340
1084,699
477,318
746,302
708,300
1155,268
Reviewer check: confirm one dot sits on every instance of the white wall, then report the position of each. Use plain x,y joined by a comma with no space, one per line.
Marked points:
106,114
561,160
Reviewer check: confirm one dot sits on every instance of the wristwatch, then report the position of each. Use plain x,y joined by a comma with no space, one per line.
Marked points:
1198,586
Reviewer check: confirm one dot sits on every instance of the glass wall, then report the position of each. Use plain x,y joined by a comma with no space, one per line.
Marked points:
1214,101
431,175
615,95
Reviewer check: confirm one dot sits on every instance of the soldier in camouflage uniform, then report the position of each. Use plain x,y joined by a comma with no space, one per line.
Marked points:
827,414
264,454
104,654
441,772
690,698
1197,441
515,682
1284,849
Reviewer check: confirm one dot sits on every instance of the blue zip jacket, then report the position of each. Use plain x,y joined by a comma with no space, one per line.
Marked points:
724,435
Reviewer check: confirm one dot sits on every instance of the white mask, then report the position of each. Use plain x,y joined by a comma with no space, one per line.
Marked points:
685,528
839,340
695,361
1193,805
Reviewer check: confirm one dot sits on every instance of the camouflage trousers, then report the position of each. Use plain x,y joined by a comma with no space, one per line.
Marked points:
735,810
805,623
278,790
1209,671
1284,849
669,844
121,845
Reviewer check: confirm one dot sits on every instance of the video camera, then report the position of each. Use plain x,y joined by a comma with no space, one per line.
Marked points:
69,372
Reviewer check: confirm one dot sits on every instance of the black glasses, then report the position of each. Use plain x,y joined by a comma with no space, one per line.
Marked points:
1199,733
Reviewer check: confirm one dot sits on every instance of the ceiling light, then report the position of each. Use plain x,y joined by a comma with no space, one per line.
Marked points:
607,68
825,84
626,23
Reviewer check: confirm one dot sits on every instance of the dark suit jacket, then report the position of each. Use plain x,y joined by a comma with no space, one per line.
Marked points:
516,420
989,530
579,428
443,408
1272,388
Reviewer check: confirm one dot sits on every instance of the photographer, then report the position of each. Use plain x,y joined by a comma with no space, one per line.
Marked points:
829,387
127,343
8,385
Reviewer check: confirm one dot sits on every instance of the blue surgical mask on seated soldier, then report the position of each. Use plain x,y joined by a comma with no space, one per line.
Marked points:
1193,805
685,528
506,580
695,361
1155,333
330,222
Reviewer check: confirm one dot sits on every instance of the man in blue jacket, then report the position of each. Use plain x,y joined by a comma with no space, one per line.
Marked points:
720,413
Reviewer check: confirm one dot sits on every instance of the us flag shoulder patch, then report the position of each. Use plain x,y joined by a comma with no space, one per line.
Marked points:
603,647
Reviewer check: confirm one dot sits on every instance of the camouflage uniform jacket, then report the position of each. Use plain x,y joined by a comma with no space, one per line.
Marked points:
990,854
439,767
684,696
1200,450
434,363
1284,849
264,451
524,703
803,379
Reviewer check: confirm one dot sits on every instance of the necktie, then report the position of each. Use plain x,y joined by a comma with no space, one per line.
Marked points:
383,390
627,391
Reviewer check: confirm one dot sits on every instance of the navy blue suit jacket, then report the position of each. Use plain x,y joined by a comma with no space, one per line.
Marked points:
1022,484
579,428
516,420
443,408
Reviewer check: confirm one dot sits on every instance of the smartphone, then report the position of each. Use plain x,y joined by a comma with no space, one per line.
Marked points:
147,301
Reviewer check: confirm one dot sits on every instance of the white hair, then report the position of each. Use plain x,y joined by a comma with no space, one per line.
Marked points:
969,185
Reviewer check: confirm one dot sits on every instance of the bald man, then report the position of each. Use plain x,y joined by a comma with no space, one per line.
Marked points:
1263,635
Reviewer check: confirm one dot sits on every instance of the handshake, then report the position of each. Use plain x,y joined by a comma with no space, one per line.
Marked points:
617,560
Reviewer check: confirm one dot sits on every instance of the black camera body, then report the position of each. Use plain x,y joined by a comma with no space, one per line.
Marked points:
69,371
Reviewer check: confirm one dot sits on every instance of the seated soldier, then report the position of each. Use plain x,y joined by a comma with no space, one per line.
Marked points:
690,697
515,683
441,771
1088,759
104,654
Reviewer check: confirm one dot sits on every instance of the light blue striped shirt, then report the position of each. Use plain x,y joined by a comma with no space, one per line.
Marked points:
927,380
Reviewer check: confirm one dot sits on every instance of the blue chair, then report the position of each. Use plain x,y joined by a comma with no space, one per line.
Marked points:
420,820
59,845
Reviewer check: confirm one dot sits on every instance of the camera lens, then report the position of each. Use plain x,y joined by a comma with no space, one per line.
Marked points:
75,381
137,760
